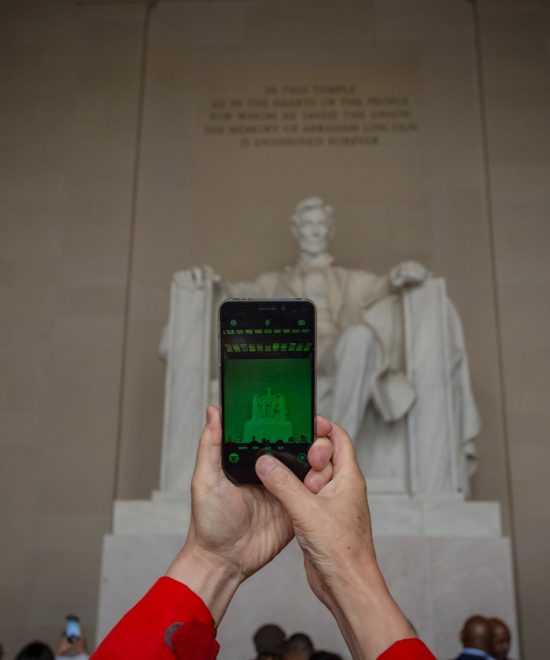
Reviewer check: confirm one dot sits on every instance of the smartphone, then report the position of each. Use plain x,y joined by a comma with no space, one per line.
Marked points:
267,364
72,628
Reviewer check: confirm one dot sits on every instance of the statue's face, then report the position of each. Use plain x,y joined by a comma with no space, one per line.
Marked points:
313,231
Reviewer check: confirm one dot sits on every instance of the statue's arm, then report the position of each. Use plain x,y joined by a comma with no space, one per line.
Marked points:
373,288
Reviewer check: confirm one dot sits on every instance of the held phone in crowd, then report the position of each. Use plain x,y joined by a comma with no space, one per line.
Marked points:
72,628
267,351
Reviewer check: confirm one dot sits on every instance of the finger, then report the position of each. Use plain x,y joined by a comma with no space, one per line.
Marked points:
284,485
343,457
316,479
323,426
320,453
209,450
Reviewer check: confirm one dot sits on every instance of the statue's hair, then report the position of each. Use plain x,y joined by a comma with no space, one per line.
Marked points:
312,203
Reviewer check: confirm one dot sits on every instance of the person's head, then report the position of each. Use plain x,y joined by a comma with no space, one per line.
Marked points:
325,655
313,225
500,639
35,651
298,647
476,633
269,641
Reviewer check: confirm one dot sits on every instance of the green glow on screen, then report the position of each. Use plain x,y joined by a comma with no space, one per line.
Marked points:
267,399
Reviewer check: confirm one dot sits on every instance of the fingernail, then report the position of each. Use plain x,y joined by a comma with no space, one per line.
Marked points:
265,465
209,415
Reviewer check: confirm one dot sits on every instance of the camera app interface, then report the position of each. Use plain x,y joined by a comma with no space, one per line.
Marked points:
268,383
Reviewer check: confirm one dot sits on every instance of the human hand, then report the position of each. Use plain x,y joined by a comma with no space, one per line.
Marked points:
335,523
408,272
68,648
333,528
234,530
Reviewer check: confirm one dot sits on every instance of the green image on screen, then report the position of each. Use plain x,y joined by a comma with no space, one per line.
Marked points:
268,400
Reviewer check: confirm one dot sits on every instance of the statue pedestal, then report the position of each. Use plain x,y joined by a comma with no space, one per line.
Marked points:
443,558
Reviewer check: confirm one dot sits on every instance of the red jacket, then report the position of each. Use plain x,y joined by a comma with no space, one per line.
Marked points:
171,622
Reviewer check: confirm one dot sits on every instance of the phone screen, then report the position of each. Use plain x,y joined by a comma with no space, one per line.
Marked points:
268,384
72,628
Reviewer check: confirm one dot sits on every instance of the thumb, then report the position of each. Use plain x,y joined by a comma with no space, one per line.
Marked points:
284,485
209,451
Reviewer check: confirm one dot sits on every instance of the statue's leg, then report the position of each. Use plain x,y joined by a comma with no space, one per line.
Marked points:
356,357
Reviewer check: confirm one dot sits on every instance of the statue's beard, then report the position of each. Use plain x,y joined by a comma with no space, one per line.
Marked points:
313,248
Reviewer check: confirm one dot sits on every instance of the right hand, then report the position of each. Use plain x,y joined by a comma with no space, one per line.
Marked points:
332,527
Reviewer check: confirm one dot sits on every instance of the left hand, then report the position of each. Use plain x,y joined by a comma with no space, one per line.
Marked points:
408,272
235,530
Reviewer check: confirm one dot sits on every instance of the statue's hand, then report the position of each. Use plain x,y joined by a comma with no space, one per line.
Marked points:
196,277
408,273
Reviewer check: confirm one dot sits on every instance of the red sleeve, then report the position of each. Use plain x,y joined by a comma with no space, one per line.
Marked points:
407,649
169,622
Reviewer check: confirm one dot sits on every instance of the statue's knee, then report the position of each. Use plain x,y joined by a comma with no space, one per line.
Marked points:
354,339
358,333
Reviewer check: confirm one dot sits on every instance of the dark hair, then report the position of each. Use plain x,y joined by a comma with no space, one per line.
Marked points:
299,642
269,639
324,655
35,651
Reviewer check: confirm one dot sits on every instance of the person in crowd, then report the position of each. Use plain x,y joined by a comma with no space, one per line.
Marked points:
298,647
75,650
500,639
35,651
235,531
476,639
325,655
269,641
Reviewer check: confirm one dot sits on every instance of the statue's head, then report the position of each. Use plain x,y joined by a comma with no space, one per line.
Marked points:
313,225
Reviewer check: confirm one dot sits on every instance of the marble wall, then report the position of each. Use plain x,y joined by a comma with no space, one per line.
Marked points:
516,92
68,110
87,250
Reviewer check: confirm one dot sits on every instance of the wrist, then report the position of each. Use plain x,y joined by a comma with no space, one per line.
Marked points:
369,618
209,576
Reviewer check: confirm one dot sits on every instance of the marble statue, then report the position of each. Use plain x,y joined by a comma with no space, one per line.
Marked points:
392,366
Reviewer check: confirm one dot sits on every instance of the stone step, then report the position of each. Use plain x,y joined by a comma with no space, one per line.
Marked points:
151,517
445,515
